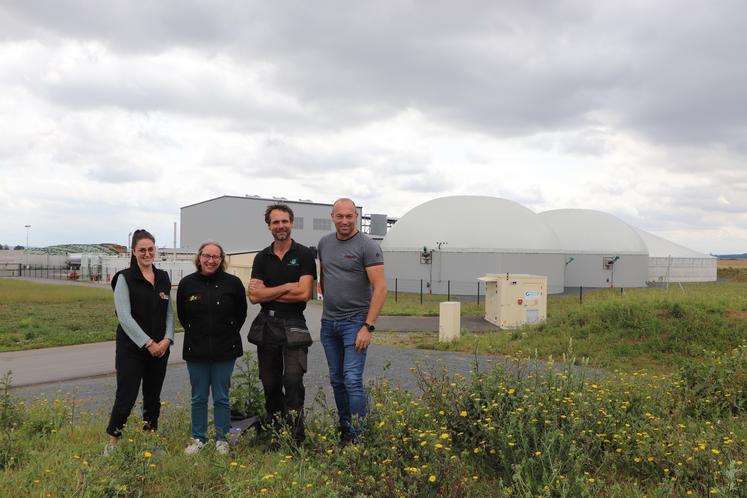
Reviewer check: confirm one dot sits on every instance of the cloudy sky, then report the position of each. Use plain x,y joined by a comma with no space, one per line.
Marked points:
115,114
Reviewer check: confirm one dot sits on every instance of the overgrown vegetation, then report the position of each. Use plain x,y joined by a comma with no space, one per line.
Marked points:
503,432
734,273
655,329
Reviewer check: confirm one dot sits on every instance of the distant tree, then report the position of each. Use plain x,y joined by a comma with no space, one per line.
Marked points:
4,247
19,248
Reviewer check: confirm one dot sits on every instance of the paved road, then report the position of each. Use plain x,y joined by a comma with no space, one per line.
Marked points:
87,370
383,362
42,366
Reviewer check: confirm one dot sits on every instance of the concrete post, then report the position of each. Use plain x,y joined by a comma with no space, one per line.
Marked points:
449,321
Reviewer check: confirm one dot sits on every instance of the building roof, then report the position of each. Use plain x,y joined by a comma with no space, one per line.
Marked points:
662,248
471,224
586,231
248,197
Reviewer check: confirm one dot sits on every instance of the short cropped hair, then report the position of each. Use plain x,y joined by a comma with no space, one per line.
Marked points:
345,199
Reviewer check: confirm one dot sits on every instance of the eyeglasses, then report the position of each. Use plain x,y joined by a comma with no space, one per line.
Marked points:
143,250
208,257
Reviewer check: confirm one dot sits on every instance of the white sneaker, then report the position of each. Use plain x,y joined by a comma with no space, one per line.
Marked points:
221,447
195,446
109,449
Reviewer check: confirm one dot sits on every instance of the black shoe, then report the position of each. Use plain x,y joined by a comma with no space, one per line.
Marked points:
346,438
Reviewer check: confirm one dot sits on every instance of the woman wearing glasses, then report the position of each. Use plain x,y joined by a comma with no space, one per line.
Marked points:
144,335
211,305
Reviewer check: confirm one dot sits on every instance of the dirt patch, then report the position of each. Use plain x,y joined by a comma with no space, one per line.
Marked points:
739,314
732,263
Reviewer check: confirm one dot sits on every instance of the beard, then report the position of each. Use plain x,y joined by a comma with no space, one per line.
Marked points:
285,235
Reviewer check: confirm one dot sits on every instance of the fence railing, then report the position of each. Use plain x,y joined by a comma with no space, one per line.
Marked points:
426,290
453,290
100,274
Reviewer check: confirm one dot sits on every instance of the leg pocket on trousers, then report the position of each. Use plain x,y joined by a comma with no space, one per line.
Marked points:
304,360
296,360
297,334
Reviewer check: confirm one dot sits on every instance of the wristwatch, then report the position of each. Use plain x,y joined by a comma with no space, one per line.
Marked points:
369,326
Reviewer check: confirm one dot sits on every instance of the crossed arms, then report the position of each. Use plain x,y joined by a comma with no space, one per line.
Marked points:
292,292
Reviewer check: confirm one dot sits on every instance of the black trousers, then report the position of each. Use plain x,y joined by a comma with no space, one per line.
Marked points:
281,370
133,367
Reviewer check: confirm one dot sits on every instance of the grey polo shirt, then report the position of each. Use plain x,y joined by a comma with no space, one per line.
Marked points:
347,290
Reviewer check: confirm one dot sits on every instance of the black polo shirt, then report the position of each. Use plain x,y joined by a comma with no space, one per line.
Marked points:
298,261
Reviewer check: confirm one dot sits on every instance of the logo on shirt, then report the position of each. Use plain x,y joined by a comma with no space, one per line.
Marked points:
193,297
163,296
293,262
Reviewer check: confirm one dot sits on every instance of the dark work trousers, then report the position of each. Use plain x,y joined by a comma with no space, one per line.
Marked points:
281,370
133,366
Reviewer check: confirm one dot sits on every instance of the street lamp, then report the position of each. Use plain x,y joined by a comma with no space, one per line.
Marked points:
26,249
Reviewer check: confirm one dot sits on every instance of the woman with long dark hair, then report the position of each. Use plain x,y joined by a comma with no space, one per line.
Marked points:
211,305
144,335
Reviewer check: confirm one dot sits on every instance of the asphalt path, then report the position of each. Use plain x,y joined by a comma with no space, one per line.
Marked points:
87,371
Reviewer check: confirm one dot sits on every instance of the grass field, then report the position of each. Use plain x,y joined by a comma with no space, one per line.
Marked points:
35,315
655,329
408,304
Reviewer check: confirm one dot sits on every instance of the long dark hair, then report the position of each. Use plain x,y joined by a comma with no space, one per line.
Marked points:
137,236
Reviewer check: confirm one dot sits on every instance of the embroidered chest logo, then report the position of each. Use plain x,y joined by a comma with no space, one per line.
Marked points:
163,296
194,297
293,262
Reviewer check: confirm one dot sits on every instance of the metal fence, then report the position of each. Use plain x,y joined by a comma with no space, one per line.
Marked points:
453,290
426,290
99,274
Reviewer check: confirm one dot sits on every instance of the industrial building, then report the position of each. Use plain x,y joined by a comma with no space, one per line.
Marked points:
670,262
601,250
452,241
238,222
458,239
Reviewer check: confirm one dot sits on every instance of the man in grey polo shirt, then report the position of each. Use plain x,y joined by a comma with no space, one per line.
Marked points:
354,288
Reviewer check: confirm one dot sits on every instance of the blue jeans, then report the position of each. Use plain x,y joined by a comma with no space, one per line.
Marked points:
346,370
212,376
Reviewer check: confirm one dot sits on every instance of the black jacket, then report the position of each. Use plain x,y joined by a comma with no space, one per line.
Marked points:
148,303
212,310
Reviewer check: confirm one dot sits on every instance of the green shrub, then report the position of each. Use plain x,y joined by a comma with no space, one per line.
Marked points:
11,417
247,396
562,433
715,386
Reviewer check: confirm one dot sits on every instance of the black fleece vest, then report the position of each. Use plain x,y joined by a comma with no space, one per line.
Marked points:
148,303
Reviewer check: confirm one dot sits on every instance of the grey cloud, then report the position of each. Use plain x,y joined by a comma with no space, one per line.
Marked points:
693,208
117,172
425,182
672,70
127,26
281,156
